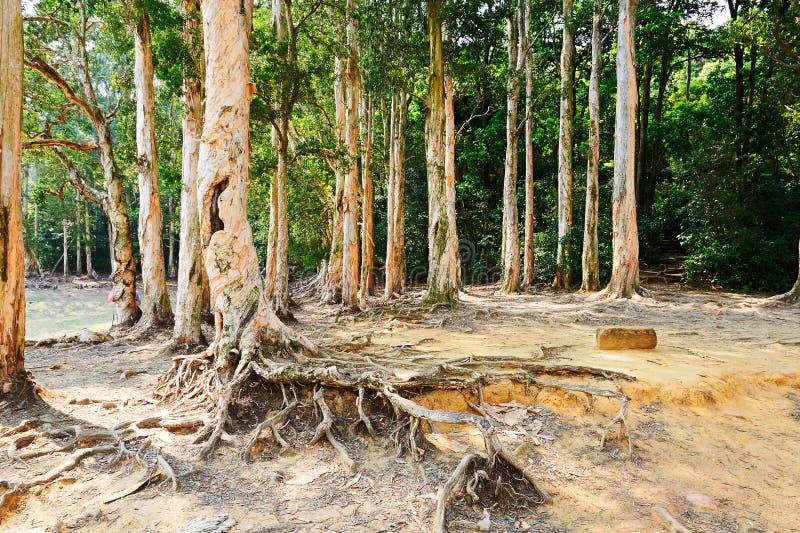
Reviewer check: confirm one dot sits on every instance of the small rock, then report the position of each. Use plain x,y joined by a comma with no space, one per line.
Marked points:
485,523
92,337
216,524
702,501
626,338
93,512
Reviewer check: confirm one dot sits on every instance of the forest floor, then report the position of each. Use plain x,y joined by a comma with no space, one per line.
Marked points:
714,413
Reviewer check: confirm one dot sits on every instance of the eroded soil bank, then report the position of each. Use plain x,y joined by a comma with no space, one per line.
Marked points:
715,419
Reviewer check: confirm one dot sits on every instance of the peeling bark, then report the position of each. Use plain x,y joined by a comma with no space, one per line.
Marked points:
350,244
156,308
565,147
367,280
332,287
190,304
528,258
590,260
518,29
12,268
395,197
244,319
625,242
443,259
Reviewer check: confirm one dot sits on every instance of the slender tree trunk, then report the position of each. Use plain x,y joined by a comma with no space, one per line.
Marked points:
517,49
450,150
642,178
190,304
656,149
171,266
590,258
443,260
65,246
87,240
245,321
350,244
625,242
332,288
111,259
78,244
367,281
395,198
156,309
12,268
528,259
565,148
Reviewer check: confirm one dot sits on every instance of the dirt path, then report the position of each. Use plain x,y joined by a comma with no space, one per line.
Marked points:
715,412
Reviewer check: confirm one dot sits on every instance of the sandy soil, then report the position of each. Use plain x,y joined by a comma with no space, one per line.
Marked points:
715,412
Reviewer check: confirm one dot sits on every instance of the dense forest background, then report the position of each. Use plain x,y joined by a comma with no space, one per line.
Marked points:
718,130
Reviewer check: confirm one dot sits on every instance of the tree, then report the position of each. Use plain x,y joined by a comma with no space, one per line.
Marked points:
518,33
156,309
528,257
367,278
625,243
590,260
565,147
12,268
86,102
190,302
443,260
395,195
793,296
350,233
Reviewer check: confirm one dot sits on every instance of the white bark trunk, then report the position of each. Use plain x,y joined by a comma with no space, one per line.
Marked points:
443,259
528,259
590,261
171,266
367,281
87,240
517,48
78,245
12,268
65,246
156,309
190,304
565,147
395,198
244,318
625,244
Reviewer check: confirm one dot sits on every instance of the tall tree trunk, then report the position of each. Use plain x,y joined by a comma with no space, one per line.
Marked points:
529,259
78,244
517,49
332,287
171,266
367,281
156,309
590,260
625,242
450,150
350,248
190,304
443,260
641,158
244,318
738,101
12,268
87,240
565,148
395,198
65,246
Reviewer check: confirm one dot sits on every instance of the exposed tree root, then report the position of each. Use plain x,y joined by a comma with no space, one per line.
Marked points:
439,520
273,423
325,428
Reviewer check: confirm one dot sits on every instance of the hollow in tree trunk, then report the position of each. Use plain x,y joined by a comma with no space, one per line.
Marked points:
625,241
565,148
190,304
12,267
156,308
244,319
395,197
590,261
443,261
